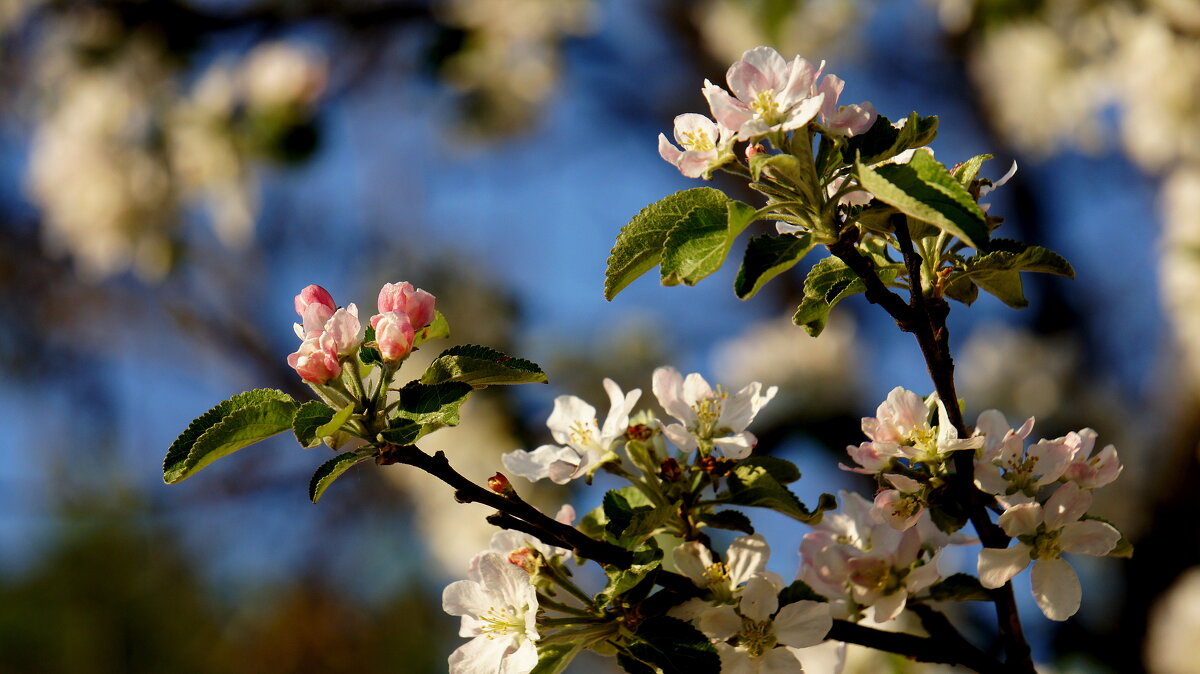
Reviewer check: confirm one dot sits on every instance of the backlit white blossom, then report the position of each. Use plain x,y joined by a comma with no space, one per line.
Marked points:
498,605
709,418
703,145
769,94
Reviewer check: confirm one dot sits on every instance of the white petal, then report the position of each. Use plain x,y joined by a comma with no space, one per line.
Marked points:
803,623
889,606
695,389
521,661
679,436
1056,588
667,385
465,597
481,655
531,465
569,412
693,559
735,660
997,566
760,599
747,556
1021,520
1066,505
720,623
778,661
1089,537
620,405
736,446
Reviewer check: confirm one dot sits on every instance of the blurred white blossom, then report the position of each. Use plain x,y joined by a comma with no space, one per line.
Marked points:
1175,627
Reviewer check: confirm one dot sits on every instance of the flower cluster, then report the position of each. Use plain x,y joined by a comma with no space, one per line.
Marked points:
331,335
1044,525
770,98
705,419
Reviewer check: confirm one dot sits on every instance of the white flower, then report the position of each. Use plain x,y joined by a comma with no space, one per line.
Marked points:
1043,534
1006,468
771,94
499,608
709,418
901,430
747,556
848,120
584,443
515,545
1086,470
706,145
758,635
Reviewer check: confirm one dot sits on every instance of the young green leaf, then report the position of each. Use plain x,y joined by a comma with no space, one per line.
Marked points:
998,270
732,520
828,282
401,431
754,485
924,190
553,658
369,355
621,581
799,591
673,646
884,140
639,246
433,406
480,366
243,420
698,244
330,471
768,256
309,417
965,172
438,329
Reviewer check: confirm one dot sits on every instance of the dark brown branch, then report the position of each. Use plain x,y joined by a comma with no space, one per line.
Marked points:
545,528
948,648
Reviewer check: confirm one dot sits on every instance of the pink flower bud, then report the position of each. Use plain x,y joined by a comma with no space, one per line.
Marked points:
316,360
344,330
499,484
315,306
394,333
404,298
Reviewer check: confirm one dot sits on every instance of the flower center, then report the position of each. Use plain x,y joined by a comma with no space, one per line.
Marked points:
1046,545
583,432
708,413
698,141
766,107
501,621
756,637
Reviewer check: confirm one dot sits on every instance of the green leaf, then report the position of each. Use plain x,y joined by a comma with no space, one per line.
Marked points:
673,646
799,591
732,520
330,471
554,658
401,431
768,256
309,417
621,581
480,366
947,509
624,501
437,329
639,246
884,140
959,587
965,172
335,424
784,471
432,406
243,420
698,244
753,485
924,190
367,354
828,282
998,270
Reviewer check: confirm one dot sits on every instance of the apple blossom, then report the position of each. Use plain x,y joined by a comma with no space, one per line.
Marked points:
747,556
1087,470
403,298
705,145
758,635
1043,534
769,94
394,334
316,361
709,418
498,605
904,503
344,330
585,445
315,306
847,120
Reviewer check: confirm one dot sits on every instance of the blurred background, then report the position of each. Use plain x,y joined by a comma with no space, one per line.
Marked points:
172,173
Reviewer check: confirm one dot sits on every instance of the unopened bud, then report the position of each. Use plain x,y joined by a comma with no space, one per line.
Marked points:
670,471
640,432
499,484
752,150
716,467
524,558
